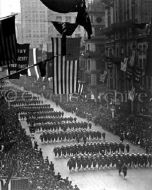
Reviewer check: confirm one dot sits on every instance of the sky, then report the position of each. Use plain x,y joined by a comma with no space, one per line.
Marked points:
9,6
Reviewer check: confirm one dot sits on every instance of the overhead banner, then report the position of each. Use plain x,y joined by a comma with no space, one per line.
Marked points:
23,57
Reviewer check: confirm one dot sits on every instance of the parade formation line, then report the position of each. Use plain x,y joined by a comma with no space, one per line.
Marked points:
103,179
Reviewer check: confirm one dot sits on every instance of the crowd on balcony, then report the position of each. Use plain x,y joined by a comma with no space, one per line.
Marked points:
19,157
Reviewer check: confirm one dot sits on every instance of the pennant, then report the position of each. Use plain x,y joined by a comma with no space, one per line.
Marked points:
131,94
65,71
23,57
65,27
124,65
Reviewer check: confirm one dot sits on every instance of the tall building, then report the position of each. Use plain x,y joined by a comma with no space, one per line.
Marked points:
37,27
34,22
123,20
93,62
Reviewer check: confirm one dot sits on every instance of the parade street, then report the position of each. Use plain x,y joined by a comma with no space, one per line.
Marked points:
107,179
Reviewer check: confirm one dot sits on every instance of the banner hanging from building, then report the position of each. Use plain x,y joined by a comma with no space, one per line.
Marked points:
23,57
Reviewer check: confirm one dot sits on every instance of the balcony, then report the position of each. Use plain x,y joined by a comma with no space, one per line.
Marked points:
117,27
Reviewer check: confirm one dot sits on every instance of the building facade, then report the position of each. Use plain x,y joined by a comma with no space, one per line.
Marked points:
36,24
93,54
34,21
126,30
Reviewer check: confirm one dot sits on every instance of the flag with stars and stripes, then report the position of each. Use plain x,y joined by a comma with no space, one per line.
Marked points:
8,45
65,68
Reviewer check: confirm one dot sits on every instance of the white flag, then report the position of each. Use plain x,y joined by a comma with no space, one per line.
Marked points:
103,76
131,94
124,65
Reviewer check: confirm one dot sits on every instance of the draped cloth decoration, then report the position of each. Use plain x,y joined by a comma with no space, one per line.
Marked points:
65,27
66,6
8,46
63,6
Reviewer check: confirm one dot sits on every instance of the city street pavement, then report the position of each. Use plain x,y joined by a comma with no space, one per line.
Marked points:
108,179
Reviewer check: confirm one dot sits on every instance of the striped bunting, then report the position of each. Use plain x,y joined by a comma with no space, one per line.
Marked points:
8,45
65,70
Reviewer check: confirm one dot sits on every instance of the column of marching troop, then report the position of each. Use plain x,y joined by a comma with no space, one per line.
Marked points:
89,150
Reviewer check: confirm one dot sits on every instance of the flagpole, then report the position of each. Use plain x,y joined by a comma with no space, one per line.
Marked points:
17,72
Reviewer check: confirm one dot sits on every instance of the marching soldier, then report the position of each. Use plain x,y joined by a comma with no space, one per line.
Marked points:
124,170
127,148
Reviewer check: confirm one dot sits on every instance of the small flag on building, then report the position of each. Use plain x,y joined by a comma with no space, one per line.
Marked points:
103,77
124,65
131,94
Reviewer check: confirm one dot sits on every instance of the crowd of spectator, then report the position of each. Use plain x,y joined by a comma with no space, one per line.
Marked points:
19,158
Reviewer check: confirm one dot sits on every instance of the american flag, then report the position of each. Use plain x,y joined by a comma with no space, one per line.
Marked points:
8,43
65,68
